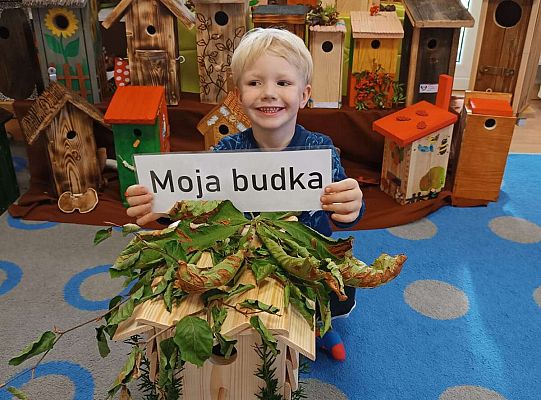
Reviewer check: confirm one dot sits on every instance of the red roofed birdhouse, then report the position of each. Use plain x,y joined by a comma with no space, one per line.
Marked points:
416,151
138,115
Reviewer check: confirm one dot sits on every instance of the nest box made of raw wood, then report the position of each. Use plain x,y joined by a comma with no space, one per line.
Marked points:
8,179
430,45
138,115
233,378
67,121
488,122
220,26
69,45
506,55
224,119
292,18
326,44
416,150
152,39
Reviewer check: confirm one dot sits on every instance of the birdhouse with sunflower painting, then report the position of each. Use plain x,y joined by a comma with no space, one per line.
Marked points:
69,45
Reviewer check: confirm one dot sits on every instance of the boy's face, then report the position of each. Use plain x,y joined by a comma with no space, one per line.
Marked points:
272,91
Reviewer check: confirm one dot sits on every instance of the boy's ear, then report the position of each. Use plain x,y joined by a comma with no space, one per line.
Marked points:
237,94
306,93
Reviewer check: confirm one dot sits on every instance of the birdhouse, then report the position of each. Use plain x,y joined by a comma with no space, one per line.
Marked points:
138,115
507,54
232,378
19,75
488,121
8,179
69,45
220,26
292,18
67,119
224,119
376,40
416,149
430,46
326,45
151,32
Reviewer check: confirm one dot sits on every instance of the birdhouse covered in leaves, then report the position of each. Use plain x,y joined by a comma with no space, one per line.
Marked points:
69,45
151,33
66,120
220,26
138,115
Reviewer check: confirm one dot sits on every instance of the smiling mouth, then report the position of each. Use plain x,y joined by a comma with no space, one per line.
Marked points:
270,110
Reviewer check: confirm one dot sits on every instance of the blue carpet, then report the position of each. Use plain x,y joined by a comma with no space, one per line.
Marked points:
463,320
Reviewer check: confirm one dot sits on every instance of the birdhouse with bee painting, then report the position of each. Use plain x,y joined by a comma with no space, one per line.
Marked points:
138,115
416,149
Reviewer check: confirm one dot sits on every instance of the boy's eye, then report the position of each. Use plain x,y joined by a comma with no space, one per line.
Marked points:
284,83
253,83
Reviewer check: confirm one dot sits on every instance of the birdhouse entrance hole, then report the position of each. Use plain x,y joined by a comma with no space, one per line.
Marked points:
375,44
4,32
223,129
61,21
219,359
137,132
327,46
71,135
221,18
151,30
432,44
508,14
490,124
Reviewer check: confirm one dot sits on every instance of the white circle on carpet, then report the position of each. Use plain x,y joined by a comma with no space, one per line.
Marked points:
316,389
537,296
436,299
470,393
418,230
515,229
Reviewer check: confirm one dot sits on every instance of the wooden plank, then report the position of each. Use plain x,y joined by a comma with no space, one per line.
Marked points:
116,13
384,25
131,326
180,11
438,14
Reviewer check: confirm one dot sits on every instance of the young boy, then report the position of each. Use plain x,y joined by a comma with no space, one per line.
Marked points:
272,71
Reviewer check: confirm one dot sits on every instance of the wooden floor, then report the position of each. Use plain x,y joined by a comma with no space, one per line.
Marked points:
527,138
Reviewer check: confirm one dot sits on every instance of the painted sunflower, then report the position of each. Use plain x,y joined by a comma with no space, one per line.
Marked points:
61,22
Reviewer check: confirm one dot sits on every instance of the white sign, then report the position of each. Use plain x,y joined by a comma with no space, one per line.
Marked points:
428,88
253,181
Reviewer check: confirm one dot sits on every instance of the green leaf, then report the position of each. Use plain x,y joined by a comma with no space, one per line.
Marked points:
126,374
193,337
239,289
167,297
72,48
130,228
219,314
17,393
226,345
206,236
53,43
175,250
266,336
123,313
262,269
103,347
168,361
258,305
126,261
43,344
213,294
102,234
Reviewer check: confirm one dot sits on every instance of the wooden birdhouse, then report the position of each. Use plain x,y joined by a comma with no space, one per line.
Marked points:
292,18
67,119
489,121
416,149
153,51
69,45
326,45
138,115
8,179
376,40
224,119
430,46
19,75
507,54
220,26
231,378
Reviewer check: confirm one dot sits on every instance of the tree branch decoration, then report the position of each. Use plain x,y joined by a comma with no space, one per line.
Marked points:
377,89
162,263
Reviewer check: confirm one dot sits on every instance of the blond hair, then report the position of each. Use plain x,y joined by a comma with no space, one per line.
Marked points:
277,42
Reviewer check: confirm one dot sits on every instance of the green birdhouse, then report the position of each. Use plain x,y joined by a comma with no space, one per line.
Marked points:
138,115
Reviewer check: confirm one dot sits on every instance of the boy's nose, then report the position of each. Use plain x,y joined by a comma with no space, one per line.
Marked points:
269,91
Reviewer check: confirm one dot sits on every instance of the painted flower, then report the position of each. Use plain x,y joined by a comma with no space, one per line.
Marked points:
61,22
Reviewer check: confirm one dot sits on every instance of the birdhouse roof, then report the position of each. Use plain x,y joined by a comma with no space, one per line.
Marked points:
340,26
384,25
229,109
438,14
135,105
7,4
48,105
274,9
494,107
54,3
176,7
414,122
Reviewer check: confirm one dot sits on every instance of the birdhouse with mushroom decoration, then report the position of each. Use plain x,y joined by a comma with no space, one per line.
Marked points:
376,40
292,18
66,120
430,46
416,149
138,115
220,26
69,45
151,33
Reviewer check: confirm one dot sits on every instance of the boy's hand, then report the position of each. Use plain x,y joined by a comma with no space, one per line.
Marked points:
140,201
343,199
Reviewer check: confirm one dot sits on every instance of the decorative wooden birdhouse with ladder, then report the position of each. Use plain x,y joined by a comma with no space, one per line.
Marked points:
69,45
220,26
376,40
292,18
508,47
430,46
416,150
140,123
326,45
67,121
19,76
151,33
